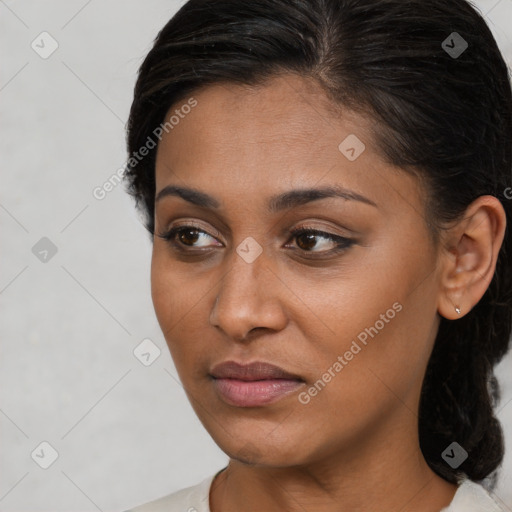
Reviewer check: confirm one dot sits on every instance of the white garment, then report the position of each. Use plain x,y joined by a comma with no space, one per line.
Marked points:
470,497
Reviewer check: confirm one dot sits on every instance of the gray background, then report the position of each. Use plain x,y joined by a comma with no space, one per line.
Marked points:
124,432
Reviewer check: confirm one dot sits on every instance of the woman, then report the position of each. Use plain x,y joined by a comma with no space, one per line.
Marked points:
327,187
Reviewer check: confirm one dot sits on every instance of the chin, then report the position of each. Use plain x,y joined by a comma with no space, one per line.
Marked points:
264,451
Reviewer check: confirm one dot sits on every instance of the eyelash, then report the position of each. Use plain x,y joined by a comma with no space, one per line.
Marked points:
342,243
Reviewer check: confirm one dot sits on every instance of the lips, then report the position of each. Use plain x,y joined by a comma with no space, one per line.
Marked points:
250,372
253,385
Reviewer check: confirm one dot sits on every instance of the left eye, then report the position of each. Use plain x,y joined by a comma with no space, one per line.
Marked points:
308,237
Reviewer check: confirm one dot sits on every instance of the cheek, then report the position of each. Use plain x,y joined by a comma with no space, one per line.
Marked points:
381,323
162,286
179,299
174,296
343,305
356,384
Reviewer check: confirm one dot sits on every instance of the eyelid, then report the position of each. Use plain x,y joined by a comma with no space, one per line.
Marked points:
211,231
341,243
304,225
192,224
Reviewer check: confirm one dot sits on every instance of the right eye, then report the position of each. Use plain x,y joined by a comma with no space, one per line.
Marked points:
181,237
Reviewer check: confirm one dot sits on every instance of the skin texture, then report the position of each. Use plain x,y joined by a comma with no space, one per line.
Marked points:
354,446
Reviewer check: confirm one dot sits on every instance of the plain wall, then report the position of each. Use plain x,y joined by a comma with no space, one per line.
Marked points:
124,432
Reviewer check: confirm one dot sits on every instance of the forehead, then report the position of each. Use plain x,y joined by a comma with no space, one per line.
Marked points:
288,122
284,109
259,140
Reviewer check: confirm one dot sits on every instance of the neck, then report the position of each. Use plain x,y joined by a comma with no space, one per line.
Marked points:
387,474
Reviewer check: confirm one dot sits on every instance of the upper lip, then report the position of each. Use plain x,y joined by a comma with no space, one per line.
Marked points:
257,370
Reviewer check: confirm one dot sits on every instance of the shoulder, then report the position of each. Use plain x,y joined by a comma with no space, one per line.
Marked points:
190,499
472,497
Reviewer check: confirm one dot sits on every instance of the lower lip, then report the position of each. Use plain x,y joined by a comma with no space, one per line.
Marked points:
242,393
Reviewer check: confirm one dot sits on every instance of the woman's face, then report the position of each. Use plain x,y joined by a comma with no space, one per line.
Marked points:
353,318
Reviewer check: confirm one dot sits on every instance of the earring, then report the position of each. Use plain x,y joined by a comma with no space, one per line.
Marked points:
457,310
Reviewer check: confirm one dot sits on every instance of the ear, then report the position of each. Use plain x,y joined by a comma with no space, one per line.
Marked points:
469,254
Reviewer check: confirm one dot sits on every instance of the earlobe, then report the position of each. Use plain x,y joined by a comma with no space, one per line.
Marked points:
453,303
470,255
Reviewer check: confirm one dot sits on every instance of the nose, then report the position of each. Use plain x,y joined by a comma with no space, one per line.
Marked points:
249,298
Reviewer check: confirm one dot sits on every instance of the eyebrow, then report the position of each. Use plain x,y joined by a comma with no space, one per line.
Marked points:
287,200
